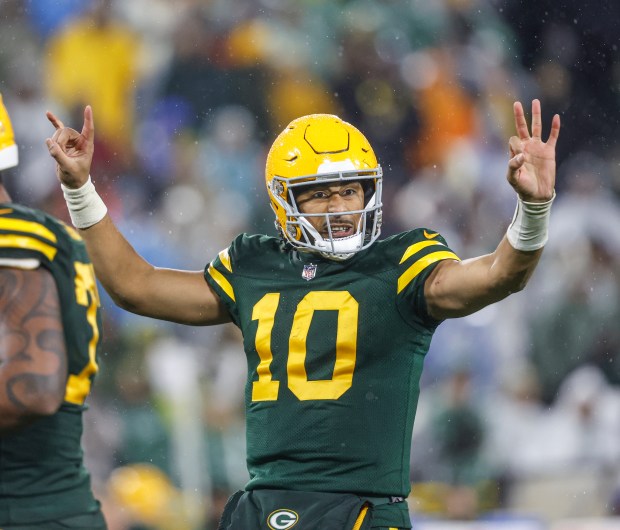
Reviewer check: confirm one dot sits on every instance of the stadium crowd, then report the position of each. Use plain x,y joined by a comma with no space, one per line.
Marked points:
518,400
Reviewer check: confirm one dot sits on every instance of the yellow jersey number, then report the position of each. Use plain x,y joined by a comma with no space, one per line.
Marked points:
266,389
86,294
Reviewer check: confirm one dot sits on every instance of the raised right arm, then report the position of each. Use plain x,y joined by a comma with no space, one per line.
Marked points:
139,287
133,283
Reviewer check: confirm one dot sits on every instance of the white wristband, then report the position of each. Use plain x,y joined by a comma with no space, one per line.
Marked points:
530,224
85,206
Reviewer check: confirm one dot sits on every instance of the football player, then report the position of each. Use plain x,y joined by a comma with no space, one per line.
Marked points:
335,321
49,330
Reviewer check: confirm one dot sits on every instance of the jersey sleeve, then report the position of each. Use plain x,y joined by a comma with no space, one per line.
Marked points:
421,253
220,275
25,243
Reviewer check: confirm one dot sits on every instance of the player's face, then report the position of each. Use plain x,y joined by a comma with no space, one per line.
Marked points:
338,199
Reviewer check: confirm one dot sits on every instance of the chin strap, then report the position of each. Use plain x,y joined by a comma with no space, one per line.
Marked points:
338,249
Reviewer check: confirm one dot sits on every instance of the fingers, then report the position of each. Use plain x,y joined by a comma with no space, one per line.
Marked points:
536,119
520,123
54,120
56,152
65,137
555,131
516,161
88,129
515,145
58,144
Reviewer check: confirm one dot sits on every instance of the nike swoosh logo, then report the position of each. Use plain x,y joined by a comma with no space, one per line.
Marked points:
430,236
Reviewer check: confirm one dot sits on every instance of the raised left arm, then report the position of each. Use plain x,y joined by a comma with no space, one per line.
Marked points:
456,289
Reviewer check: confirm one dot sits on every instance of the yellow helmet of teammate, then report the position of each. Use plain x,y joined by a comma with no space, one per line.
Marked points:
8,147
146,492
323,148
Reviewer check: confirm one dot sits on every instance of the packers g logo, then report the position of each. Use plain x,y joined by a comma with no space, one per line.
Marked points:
282,519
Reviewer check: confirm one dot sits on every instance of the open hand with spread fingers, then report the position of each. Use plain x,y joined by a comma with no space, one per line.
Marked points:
72,150
531,169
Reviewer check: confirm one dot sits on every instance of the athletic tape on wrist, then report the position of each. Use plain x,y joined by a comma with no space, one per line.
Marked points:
85,206
529,229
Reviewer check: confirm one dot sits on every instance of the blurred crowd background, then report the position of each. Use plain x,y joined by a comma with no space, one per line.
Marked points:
519,417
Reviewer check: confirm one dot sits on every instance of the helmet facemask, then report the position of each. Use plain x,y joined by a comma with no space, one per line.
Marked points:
300,232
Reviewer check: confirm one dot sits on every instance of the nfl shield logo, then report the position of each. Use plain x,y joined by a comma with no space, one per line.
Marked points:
309,272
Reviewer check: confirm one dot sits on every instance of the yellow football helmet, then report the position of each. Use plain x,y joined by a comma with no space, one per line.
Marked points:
322,147
8,148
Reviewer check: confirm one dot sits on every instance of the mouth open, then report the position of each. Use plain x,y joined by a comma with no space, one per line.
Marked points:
339,232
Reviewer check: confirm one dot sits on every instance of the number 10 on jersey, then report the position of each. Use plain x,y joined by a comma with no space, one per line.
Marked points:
266,389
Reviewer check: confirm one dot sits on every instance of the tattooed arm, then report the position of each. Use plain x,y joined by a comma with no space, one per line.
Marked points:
33,357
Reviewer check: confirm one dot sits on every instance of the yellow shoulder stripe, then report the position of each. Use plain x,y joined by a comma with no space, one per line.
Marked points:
19,225
26,242
418,246
418,266
221,281
73,233
225,259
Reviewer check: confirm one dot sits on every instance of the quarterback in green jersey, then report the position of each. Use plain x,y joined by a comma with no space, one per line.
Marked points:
335,321
49,311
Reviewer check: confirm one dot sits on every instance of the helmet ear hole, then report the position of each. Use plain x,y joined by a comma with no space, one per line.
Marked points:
369,190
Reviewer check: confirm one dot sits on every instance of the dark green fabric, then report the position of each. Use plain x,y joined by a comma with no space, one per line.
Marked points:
395,515
94,521
327,511
276,509
42,476
358,442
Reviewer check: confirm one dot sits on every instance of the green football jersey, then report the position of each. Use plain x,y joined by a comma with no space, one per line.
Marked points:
42,476
335,352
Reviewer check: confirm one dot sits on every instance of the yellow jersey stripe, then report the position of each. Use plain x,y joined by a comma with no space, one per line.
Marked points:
30,243
78,387
86,295
225,259
222,281
360,518
30,227
418,246
418,266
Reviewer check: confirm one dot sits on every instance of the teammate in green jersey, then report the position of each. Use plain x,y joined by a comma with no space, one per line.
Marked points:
336,323
50,325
